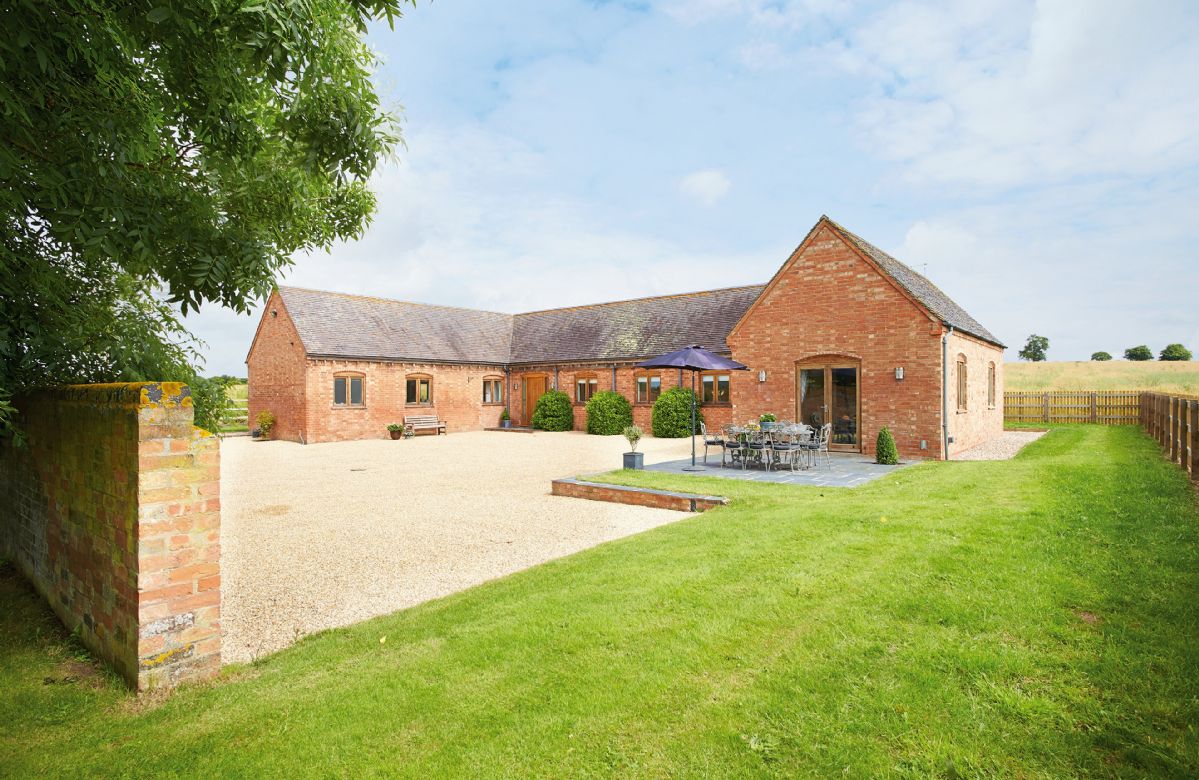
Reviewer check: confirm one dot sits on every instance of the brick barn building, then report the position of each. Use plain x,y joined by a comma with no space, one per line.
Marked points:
843,333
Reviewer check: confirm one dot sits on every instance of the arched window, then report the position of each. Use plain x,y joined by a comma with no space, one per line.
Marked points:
493,390
585,387
349,389
418,389
648,387
962,385
991,385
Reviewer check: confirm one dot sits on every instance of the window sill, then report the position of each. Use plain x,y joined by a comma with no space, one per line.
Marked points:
430,403
493,403
963,411
348,406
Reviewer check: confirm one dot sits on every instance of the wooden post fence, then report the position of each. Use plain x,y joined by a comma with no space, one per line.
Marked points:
1174,422
1103,407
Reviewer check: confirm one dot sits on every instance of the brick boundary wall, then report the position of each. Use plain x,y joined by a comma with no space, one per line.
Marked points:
623,494
112,510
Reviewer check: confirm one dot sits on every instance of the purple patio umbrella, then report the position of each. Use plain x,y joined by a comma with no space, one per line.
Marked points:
693,358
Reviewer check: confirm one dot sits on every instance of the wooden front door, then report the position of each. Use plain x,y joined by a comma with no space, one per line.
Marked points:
534,389
828,392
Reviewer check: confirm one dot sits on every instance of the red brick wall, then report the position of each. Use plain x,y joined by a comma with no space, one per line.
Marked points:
979,422
112,511
457,398
828,300
276,371
626,378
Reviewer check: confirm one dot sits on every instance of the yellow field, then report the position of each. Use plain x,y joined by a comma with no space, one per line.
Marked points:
1177,377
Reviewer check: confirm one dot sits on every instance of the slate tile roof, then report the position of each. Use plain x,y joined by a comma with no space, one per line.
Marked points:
624,330
355,326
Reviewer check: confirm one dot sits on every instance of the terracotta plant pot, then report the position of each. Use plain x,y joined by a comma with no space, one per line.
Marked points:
395,435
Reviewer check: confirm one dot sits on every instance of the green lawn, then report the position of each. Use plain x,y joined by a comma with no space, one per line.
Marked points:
1033,618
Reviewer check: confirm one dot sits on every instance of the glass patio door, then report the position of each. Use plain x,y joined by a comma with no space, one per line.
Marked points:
828,393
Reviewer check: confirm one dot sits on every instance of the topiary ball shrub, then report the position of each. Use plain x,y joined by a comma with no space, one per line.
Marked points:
672,414
553,412
608,413
884,448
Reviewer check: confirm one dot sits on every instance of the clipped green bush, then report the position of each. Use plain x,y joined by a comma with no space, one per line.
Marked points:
672,414
885,451
553,412
608,413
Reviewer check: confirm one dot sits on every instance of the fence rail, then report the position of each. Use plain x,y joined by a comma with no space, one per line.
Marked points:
1174,421
1104,407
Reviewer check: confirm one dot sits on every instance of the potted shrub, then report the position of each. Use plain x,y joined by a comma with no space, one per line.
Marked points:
767,421
633,459
396,430
266,421
505,419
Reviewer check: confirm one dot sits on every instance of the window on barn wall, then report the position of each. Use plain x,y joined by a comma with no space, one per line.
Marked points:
649,387
962,397
418,389
585,387
348,390
493,390
991,385
714,389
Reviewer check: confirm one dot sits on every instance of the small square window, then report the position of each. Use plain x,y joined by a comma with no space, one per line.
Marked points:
347,390
418,390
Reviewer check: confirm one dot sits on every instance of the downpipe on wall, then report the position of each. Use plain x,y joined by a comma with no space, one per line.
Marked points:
945,392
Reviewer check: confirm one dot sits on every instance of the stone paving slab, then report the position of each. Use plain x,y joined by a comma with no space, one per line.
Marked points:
842,470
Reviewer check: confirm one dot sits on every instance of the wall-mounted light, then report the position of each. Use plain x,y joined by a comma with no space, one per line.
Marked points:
762,376
899,373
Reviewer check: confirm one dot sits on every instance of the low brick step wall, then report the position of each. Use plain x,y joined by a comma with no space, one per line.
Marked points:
622,494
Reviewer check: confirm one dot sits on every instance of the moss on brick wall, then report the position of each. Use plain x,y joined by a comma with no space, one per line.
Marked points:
114,497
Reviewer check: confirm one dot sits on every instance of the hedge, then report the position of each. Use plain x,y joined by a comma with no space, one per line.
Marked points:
553,412
608,413
672,414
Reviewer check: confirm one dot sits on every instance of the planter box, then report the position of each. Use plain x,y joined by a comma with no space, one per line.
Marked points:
634,460
505,423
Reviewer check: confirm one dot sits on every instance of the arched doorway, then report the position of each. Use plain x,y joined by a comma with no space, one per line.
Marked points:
827,390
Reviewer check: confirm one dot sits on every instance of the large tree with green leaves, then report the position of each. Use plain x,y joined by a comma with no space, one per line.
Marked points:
1035,349
161,155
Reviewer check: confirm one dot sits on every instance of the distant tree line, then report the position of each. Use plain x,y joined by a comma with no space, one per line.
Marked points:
1036,349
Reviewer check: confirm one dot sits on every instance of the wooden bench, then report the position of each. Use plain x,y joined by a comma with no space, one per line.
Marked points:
425,422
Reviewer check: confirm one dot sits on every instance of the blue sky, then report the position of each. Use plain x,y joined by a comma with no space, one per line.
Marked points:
1038,161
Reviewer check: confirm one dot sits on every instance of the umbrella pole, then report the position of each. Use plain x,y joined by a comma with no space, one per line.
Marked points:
693,467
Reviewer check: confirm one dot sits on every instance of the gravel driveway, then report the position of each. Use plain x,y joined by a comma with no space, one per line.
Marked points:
330,534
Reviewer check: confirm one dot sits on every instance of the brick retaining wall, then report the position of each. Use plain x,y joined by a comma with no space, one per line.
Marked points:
112,510
622,494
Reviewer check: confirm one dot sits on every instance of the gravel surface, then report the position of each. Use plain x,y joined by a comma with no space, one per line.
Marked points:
330,534
1002,447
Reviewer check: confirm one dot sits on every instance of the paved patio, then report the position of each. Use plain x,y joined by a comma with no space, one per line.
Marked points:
845,469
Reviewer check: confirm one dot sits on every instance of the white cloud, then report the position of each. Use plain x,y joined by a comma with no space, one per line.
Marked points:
706,187
999,94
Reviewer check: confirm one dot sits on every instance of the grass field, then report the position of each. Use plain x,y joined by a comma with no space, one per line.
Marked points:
235,417
1030,618
1103,375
